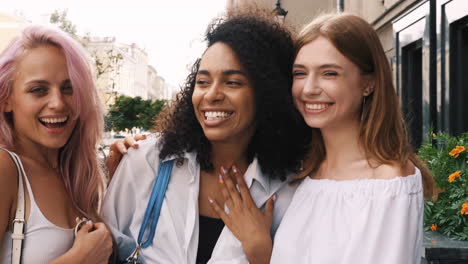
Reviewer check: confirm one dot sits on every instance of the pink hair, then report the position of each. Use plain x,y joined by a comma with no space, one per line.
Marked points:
78,160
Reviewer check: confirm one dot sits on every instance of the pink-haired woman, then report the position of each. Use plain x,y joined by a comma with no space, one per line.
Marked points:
50,124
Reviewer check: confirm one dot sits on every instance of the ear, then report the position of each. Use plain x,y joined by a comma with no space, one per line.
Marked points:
369,85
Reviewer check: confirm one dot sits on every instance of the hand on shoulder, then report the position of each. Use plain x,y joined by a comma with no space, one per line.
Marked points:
390,171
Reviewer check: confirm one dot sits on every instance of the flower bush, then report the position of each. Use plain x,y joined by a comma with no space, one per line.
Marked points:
446,156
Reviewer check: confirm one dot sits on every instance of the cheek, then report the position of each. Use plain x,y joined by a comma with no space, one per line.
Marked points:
245,103
296,94
197,96
70,101
297,89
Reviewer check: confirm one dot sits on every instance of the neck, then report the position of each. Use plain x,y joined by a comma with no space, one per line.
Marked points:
342,144
46,157
228,154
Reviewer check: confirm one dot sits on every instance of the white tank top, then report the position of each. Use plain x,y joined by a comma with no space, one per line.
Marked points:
43,242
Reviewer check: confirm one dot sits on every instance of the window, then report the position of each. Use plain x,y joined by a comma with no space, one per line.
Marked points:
412,90
458,85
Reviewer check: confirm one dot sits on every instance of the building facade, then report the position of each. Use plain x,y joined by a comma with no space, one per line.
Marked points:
10,27
426,42
156,85
123,69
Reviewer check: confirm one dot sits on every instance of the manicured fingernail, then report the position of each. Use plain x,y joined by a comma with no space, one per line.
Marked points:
89,222
124,151
223,170
210,199
234,169
220,178
274,197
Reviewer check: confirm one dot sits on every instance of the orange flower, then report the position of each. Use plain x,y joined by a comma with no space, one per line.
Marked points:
464,209
455,152
433,227
454,176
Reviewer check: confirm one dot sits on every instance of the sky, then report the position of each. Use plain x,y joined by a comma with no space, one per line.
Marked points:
170,31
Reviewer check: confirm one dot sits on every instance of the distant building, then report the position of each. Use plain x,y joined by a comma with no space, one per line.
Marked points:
156,84
123,70
10,27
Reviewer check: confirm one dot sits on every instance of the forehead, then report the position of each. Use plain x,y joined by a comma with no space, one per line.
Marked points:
321,51
43,62
219,57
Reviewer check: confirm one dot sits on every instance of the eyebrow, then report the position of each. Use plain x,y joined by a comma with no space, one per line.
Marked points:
44,82
226,73
323,66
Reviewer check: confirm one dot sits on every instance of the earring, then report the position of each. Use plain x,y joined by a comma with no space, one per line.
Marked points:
362,108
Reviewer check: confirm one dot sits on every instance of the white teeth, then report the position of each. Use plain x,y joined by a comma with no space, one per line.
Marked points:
316,106
216,115
54,120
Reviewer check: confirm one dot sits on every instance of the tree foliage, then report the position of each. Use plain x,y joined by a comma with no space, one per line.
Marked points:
128,112
59,17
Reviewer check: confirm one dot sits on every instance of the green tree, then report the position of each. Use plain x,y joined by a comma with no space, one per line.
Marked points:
59,17
128,112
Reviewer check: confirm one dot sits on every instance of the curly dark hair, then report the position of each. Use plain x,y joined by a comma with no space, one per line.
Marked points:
266,51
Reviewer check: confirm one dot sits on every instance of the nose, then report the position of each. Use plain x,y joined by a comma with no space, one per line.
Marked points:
56,99
312,86
214,93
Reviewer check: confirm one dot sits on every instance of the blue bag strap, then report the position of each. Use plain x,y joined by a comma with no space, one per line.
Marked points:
155,203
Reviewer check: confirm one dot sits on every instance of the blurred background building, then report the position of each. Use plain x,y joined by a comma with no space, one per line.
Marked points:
10,27
120,69
123,70
426,43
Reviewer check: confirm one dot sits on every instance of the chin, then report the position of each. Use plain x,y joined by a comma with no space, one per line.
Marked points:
54,144
215,137
314,123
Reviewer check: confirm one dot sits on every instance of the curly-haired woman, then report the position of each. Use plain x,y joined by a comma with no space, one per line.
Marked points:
234,113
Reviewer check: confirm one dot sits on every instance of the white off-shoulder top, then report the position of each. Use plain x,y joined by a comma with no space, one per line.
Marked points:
357,221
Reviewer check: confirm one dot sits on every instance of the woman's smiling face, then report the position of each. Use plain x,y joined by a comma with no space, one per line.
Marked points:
223,97
42,98
328,88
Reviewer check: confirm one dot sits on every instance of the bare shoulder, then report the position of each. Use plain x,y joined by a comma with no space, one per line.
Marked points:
8,188
389,171
8,169
8,175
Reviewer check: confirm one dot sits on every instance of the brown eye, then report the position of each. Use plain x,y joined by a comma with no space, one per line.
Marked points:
233,83
68,89
39,90
330,73
298,74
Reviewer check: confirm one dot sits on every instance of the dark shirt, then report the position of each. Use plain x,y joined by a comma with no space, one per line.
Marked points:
210,229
